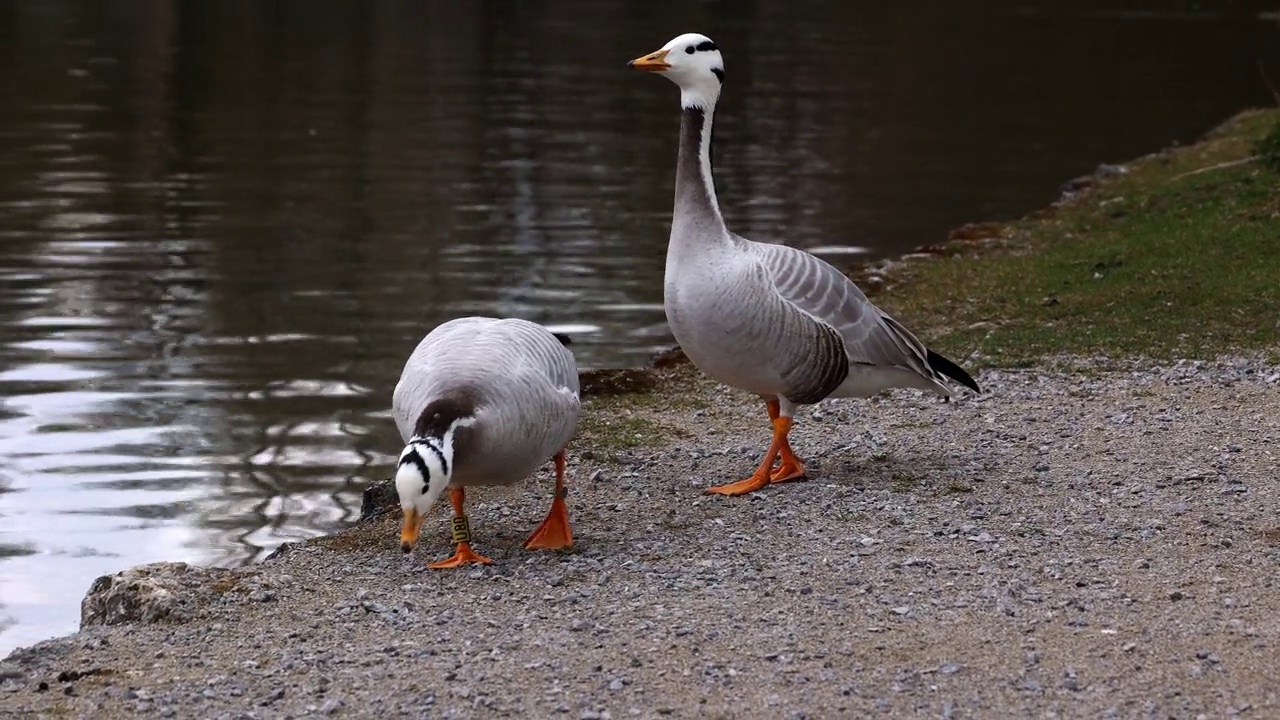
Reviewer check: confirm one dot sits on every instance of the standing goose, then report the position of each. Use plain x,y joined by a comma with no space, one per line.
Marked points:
483,401
769,319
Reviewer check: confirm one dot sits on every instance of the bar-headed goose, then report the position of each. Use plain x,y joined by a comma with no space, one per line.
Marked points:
769,319
483,401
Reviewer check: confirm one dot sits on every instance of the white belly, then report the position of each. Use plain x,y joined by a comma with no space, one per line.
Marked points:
697,321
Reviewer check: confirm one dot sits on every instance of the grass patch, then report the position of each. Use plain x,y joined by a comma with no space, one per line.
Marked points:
1268,148
610,432
611,425
1177,258
904,482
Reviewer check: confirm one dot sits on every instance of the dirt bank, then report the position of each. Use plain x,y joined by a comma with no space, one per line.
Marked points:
1084,543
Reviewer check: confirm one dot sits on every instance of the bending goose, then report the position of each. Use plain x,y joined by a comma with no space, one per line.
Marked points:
483,401
769,319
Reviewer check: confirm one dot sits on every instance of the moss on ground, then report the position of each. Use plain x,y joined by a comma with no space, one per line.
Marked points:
613,424
1268,148
1179,257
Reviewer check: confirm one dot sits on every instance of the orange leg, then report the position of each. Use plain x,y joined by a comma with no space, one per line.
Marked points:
790,467
461,535
554,532
760,478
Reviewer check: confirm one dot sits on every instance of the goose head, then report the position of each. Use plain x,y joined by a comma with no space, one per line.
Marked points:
427,463
421,476
691,61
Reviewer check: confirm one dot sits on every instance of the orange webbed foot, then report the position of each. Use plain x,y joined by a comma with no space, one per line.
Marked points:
554,532
788,471
464,556
742,487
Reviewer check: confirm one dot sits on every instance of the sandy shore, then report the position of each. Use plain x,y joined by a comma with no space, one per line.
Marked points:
1079,544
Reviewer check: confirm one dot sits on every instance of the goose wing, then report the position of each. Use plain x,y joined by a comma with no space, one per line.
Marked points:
868,335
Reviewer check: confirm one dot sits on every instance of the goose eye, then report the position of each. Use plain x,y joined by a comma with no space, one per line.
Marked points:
689,50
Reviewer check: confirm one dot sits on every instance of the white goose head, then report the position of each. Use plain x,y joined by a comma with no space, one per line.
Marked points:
691,61
426,464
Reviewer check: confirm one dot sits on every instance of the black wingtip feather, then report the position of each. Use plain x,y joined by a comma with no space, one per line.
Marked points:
564,339
951,370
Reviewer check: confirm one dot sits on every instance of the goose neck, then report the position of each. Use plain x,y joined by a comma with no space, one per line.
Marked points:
697,212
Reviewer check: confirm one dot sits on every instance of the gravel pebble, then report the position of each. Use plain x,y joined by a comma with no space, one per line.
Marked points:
927,568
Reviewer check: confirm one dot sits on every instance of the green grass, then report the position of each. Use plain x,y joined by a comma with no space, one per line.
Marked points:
608,432
904,482
613,424
1268,147
1178,258
622,432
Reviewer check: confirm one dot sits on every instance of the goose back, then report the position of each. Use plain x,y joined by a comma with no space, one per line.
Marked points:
514,377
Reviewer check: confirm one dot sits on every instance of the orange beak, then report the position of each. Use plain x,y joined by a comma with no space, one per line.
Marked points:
653,62
409,530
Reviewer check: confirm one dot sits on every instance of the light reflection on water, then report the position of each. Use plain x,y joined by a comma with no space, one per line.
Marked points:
224,226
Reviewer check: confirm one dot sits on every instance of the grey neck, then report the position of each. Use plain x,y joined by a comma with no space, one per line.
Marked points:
696,210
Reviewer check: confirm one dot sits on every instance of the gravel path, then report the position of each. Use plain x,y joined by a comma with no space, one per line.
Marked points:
1088,544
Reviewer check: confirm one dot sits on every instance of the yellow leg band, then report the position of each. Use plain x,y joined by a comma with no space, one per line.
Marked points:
461,529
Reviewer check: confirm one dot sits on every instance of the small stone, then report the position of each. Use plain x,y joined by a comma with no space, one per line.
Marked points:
1177,595
949,668
272,696
616,684
1069,679
330,706
902,609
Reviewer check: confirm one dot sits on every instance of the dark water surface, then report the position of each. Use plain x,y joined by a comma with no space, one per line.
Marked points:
223,226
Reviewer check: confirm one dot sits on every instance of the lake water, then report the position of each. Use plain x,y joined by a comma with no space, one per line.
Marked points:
223,226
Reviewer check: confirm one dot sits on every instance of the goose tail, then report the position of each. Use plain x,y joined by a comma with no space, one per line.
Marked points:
951,370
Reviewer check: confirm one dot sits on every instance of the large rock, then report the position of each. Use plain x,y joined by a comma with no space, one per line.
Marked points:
379,497
167,591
